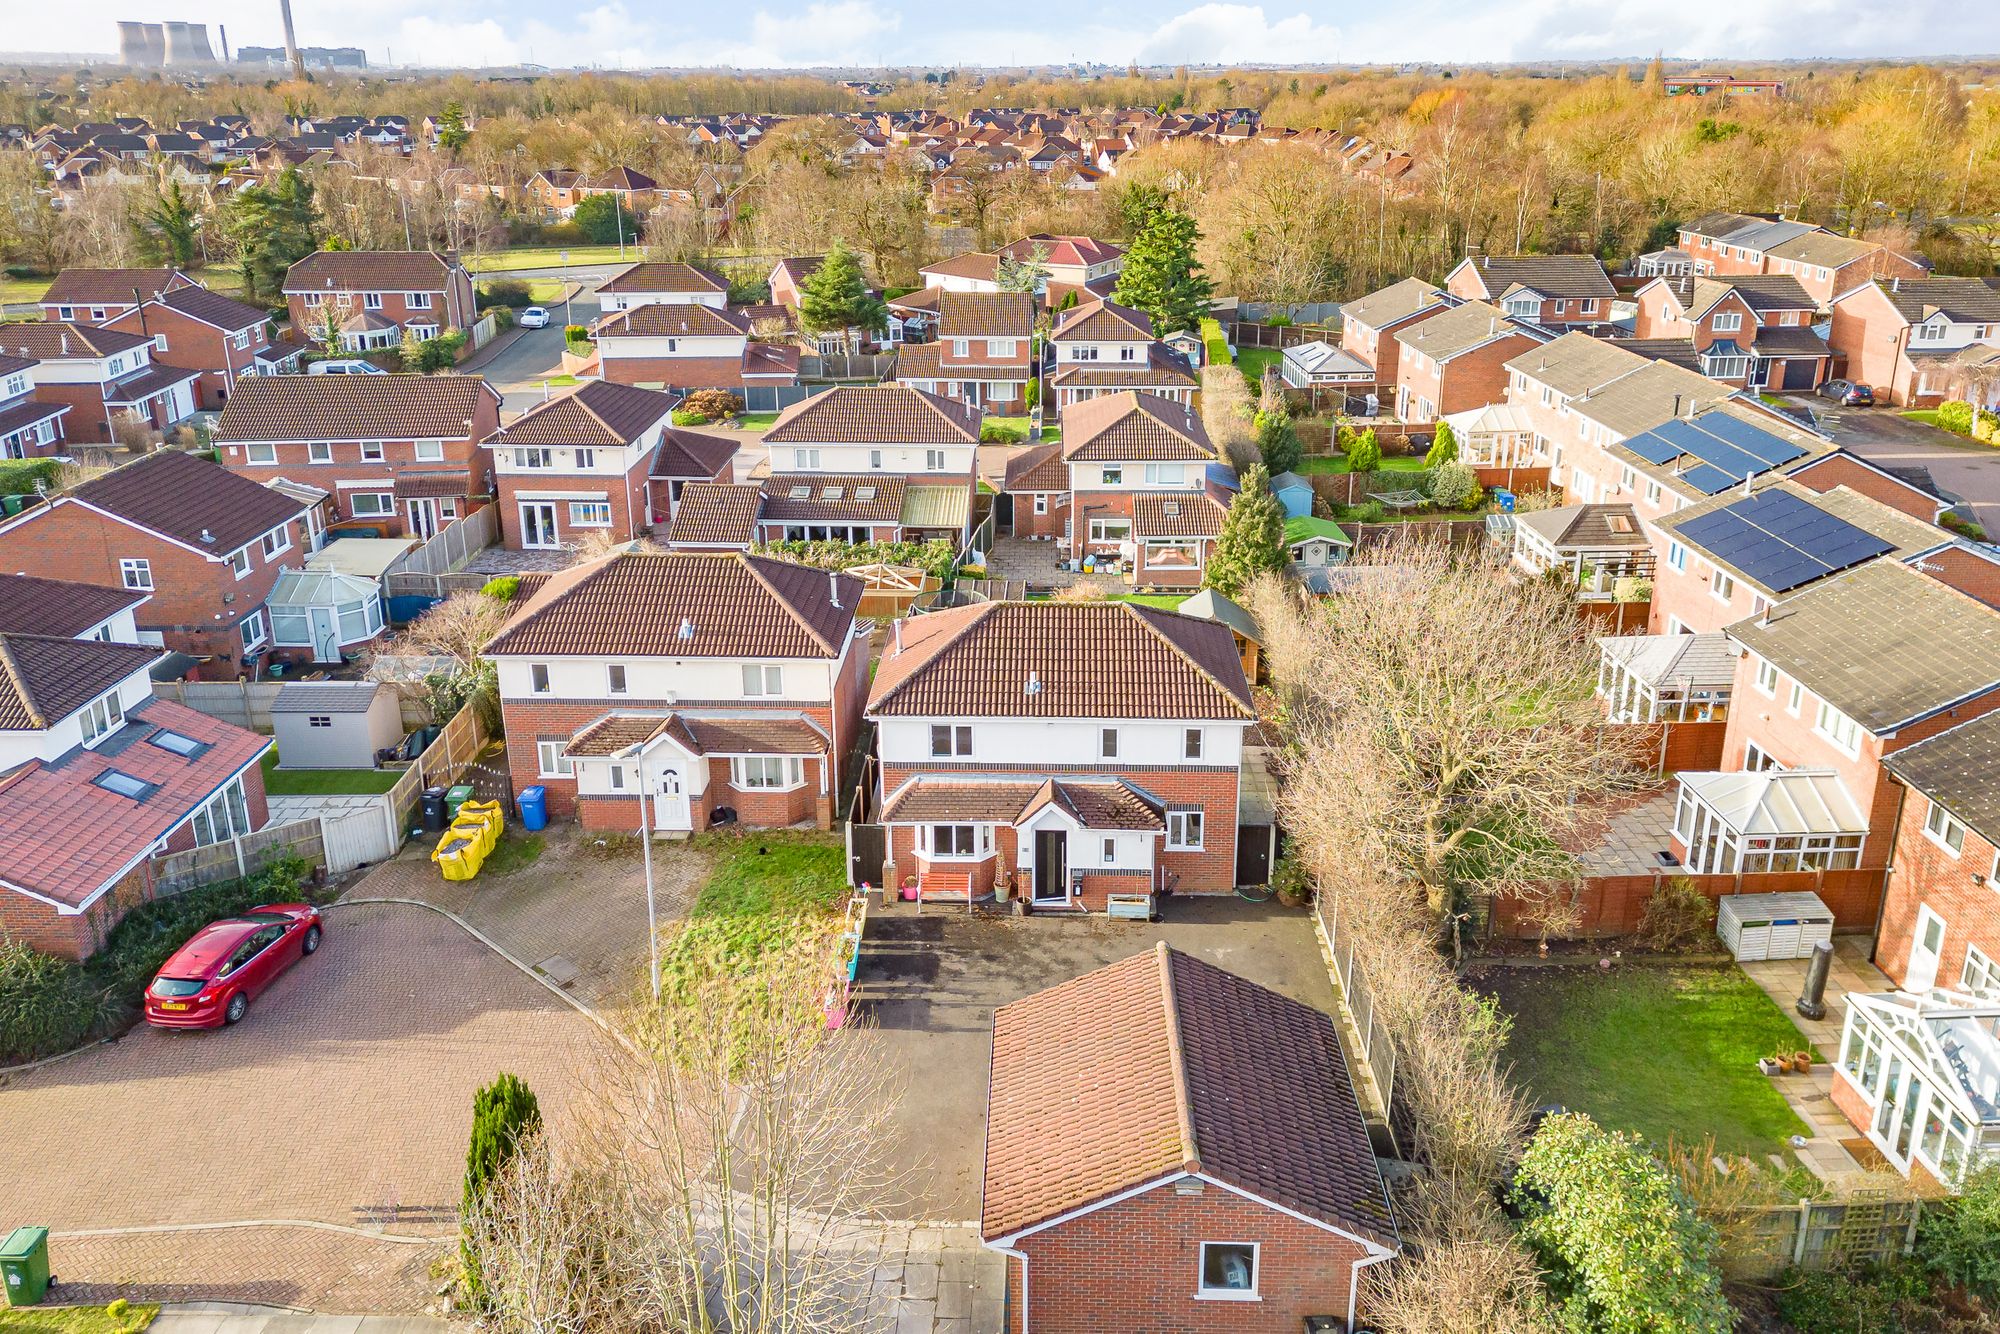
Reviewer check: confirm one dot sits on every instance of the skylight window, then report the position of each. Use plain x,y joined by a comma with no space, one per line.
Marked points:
801,493
833,493
184,746
125,785
864,493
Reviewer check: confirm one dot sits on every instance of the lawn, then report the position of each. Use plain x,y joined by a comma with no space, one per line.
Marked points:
549,257
1252,361
324,782
1169,601
1336,463
1665,1051
545,291
76,1319
756,421
1016,429
1928,416
770,889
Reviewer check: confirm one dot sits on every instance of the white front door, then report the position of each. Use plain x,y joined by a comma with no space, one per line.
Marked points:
326,636
538,524
670,803
1925,949
423,518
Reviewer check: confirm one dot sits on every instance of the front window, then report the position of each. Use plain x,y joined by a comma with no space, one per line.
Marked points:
1228,1270
953,840
586,459
538,678
418,300
136,573
101,717
1838,728
534,458
1166,474
261,452
806,459
762,679
1113,476
766,772
430,451
1944,829
549,758
950,742
372,504
590,514
1184,831
1728,322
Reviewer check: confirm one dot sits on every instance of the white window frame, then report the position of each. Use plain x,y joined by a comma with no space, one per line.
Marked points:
1677,557
540,682
951,741
550,762
1185,829
429,451
805,460
766,773
1107,743
763,680
585,514
978,841
239,561
136,573
254,630
615,682
1727,321
934,460
1767,678
260,451
277,542
100,718
1721,585
319,451
1192,742
1944,829
1840,731
1978,974
1794,698
1166,474
384,502
372,451
1204,1293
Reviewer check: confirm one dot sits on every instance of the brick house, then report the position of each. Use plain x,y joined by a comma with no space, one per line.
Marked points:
377,295
28,426
1910,490
684,459
1912,340
864,463
1824,263
195,329
400,453
579,464
96,775
1036,491
683,346
1941,912
553,190
1213,1172
1104,348
1557,292
1072,751
974,271
983,356
706,682
105,378
1751,329
1456,360
1139,490
95,296
1368,326
1070,261
651,282
206,544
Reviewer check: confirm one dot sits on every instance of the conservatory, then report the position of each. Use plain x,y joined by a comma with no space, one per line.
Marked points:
325,613
1767,820
1927,1071
1665,678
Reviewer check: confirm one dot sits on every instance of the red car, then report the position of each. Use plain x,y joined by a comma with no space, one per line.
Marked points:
212,979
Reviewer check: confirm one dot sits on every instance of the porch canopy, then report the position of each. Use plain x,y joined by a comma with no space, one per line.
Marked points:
1768,820
323,611
1928,1068
1665,678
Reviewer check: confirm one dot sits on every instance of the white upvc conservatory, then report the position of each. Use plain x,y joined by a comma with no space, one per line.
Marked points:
327,613
1665,678
1928,1069
1498,435
1768,820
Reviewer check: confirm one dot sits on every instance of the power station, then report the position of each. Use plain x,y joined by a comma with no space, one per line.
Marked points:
167,45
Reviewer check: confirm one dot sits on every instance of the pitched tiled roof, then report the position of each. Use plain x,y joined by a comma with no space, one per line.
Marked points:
224,312
1960,770
34,606
876,414
1163,367
1884,644
1905,533
1133,427
929,797
673,319
1115,660
637,604
1111,804
1398,301
702,733
716,514
45,678
1576,362
595,413
1823,249
106,287
368,270
816,497
650,276
975,265
691,454
353,407
1176,514
1458,331
1163,1064
184,497
57,340
1037,468
1960,299
1591,527
1064,250
325,697
986,315
1103,321
1551,275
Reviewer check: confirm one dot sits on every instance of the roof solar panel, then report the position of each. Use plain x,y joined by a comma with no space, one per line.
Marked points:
1780,540
1709,479
1771,449
1653,448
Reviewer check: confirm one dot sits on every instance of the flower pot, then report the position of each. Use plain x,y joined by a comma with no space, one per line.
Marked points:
1766,1065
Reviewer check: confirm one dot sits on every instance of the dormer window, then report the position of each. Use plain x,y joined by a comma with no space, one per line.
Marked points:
101,717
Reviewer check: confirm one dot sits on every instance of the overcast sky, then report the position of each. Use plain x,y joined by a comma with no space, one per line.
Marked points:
793,33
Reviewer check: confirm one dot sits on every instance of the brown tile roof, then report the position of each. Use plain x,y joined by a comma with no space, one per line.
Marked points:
31,605
1133,427
1961,299
1162,367
1176,514
1551,275
1397,301
1102,321
664,319
986,315
1064,250
650,276
45,678
700,734
1163,1064
58,340
183,497
731,605
353,407
1960,770
692,454
716,514
595,413
977,265
1037,468
1114,660
107,287
433,482
368,270
213,308
815,497
1113,804
876,414
928,798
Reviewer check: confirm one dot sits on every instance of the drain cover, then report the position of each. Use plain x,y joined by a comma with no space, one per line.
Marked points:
559,971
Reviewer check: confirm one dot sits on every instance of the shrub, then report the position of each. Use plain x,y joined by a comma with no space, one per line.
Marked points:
1444,447
118,1310
513,292
1033,394
712,404
1289,880
1829,1302
1455,486
563,233
1959,1237
18,476
151,932
1278,321
935,557
47,1005
503,319
503,1114
1955,415
503,588
1215,346
682,417
1365,454
1278,442
993,434
575,333
1677,916
1962,526
1368,511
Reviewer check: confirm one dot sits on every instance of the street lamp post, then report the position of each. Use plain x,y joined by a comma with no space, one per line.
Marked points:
646,856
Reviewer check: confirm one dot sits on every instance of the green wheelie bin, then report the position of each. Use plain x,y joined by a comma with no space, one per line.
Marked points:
24,1266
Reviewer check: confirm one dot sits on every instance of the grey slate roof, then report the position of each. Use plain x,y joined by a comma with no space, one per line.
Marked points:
1960,770
325,697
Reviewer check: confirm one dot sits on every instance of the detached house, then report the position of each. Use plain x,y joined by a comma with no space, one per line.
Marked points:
1456,360
710,687
29,427
983,356
581,464
687,345
400,453
1555,291
1209,1129
1754,330
105,379
94,296
1105,348
377,295
871,463
206,545
195,329
1824,263
1368,327
1139,489
1070,751
1917,341
650,282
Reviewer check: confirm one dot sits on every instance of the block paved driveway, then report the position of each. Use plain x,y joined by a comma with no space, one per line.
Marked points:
1966,472
341,1101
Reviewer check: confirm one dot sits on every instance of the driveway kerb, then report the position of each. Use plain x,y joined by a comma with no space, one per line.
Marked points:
139,1229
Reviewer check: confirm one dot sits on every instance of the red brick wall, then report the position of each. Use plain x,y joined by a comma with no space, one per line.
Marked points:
1610,905
1135,1265
630,515
1674,747
193,345
1848,1098
1469,381
1867,332
1027,523
756,810
85,422
1969,573
1840,470
451,306
1925,873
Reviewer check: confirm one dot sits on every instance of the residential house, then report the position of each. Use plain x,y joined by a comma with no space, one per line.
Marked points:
1940,926
1909,489
1368,326
373,297
1723,85
1558,292
195,329
1457,360
399,452
94,296
1918,341
29,427
863,463
553,190
1066,752
976,271
206,545
1211,1126
984,353
1746,329
1105,348
635,191
712,687
1824,263
96,775
1035,492
107,380
1140,498
684,346
653,282
1078,264
581,465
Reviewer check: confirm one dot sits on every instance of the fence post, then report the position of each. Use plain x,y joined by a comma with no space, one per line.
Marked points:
1805,1228
236,846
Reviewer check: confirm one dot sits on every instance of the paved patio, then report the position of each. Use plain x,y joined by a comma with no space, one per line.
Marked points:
498,561
1632,836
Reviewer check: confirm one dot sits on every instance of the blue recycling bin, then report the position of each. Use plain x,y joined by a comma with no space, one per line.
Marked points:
1505,500
534,807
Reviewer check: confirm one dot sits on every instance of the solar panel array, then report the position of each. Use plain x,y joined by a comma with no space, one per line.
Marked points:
1782,541
1729,449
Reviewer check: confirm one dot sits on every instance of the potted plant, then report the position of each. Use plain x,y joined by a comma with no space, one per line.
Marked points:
1771,1065
1802,1061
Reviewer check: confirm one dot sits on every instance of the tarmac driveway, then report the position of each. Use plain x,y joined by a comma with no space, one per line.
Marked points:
335,1114
1967,473
930,984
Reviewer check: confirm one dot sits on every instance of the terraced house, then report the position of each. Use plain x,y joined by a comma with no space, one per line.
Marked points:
399,453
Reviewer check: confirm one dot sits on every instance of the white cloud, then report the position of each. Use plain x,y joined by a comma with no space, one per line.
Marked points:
844,32
1219,34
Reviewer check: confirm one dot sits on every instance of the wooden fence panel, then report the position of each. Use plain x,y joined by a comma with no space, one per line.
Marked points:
455,544
443,762
247,855
1609,905
247,704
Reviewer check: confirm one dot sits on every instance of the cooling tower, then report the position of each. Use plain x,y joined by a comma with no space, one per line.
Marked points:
141,45
187,44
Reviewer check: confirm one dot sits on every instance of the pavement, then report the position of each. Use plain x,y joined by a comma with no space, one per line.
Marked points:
248,1318
1968,473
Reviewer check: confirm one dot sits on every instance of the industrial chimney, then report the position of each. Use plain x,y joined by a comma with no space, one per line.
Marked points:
293,60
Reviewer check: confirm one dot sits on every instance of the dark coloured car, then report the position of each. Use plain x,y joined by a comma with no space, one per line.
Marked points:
211,980
1848,394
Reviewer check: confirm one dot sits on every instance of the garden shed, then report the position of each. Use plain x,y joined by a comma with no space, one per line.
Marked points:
334,724
1295,493
1772,926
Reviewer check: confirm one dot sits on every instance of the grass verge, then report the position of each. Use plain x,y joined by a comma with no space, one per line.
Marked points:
130,1318
325,782
548,257
770,890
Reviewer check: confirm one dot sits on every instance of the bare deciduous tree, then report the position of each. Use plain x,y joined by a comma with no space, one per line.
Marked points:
457,628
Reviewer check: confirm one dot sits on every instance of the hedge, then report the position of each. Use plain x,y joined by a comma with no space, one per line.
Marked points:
934,557
1214,344
18,476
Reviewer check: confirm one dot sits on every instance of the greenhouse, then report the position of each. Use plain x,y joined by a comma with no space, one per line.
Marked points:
328,614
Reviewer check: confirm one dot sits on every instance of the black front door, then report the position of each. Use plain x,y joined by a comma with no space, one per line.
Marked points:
1253,855
1051,864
